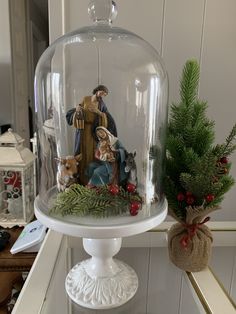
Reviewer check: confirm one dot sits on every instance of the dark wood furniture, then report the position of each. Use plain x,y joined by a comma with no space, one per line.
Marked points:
11,268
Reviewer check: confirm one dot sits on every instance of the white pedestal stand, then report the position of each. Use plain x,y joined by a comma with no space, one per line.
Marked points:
102,282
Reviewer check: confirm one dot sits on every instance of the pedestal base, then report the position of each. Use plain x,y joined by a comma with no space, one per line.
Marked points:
101,292
101,282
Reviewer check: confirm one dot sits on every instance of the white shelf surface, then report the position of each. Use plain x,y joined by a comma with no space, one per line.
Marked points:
163,288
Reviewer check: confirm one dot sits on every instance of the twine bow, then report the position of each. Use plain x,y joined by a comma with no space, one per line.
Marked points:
191,229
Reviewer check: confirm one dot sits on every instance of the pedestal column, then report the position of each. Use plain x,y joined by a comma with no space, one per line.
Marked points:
101,282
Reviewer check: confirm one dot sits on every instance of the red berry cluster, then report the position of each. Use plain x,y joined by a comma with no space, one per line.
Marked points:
134,206
187,197
222,165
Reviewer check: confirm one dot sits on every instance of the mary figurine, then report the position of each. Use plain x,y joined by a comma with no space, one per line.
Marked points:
109,167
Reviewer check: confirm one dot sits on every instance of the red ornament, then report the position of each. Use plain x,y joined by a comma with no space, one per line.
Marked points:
209,198
190,200
114,189
133,208
131,188
224,160
180,197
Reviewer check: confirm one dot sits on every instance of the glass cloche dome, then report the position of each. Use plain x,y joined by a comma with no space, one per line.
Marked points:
101,101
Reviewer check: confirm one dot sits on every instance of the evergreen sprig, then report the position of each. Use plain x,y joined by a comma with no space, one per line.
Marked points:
228,147
189,83
98,202
194,166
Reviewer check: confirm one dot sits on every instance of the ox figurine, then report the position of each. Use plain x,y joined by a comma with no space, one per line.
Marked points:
67,173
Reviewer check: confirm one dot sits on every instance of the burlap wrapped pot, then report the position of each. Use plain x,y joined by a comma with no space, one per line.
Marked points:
190,242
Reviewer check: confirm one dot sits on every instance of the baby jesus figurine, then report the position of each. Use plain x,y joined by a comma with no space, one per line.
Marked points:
105,151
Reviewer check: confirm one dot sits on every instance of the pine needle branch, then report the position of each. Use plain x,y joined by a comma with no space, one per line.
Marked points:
80,201
228,147
189,83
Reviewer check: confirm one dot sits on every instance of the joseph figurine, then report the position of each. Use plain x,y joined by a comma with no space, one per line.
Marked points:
86,117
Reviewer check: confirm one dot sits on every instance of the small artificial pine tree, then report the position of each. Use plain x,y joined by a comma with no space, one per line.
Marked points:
197,171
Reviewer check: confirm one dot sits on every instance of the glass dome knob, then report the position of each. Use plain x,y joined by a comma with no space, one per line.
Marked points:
102,11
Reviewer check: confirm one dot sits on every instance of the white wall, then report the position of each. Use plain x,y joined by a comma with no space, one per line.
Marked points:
16,81
5,65
179,30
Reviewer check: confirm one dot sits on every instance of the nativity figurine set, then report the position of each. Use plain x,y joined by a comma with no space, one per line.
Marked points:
101,167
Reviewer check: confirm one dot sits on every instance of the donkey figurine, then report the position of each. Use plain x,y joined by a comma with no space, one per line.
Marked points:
131,168
67,173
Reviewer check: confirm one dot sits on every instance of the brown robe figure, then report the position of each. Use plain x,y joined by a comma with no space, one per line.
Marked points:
92,112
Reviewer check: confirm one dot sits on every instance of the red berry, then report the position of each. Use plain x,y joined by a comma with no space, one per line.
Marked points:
224,160
133,212
180,197
190,200
131,188
133,208
114,189
134,205
209,198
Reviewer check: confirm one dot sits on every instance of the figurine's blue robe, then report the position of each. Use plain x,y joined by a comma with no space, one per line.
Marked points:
101,172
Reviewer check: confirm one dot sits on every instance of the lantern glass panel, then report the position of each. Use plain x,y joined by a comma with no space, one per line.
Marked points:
11,201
